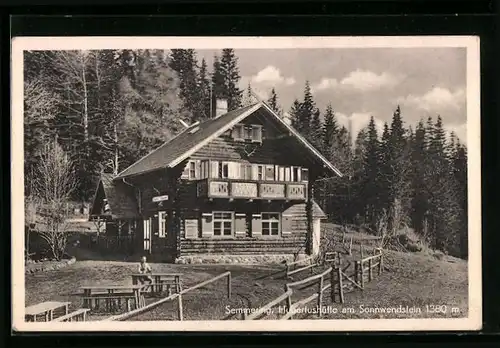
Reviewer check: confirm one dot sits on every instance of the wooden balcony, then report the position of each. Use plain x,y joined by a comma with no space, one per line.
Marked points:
250,189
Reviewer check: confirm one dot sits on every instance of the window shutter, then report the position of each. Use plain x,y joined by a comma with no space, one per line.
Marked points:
214,169
237,132
207,225
256,224
197,169
185,172
286,225
191,228
255,172
234,170
257,133
240,224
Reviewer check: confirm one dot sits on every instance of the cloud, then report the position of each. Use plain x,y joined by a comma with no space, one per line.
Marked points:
271,76
437,100
325,83
362,80
365,80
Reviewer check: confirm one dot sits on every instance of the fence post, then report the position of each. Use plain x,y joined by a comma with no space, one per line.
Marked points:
320,295
362,267
361,251
350,247
333,283
341,286
288,301
229,285
179,309
380,263
370,270
356,272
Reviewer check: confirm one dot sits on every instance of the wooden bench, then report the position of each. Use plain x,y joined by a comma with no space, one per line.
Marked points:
45,310
78,315
113,295
162,282
112,302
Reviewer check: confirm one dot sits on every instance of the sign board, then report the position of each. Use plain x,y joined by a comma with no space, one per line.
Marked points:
191,228
160,198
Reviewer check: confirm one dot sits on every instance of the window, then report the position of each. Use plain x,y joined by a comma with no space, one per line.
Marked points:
192,170
223,224
295,174
281,175
270,224
204,169
305,174
162,224
248,132
270,173
260,172
223,170
246,172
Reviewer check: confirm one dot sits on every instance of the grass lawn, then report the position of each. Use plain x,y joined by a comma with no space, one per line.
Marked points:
413,280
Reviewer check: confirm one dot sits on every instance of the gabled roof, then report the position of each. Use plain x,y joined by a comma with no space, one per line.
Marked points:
182,146
120,198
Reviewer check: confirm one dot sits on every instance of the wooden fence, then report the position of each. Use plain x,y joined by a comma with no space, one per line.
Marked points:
319,279
363,272
291,267
178,296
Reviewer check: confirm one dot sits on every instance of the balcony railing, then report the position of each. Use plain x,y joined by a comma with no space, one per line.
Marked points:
251,189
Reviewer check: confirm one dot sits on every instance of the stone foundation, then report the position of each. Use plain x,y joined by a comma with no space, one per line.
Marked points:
238,259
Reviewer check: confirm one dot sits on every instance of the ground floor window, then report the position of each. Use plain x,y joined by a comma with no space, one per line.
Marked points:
223,224
270,224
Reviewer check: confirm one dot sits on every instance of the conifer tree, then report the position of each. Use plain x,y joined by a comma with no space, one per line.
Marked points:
315,130
204,87
183,61
273,102
370,175
231,75
306,112
295,115
248,98
330,132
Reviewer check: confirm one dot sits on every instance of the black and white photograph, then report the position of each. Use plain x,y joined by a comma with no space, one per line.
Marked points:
246,183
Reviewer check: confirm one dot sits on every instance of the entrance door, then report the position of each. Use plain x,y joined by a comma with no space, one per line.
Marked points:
147,235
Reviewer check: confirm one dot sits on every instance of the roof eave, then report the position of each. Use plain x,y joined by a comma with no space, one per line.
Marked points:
308,145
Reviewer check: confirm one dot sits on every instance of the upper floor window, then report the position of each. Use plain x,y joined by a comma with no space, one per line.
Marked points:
192,170
246,132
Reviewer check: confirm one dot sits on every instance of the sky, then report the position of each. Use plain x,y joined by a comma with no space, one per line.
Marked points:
363,82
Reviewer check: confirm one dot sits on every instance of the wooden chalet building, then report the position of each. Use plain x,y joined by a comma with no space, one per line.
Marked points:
235,188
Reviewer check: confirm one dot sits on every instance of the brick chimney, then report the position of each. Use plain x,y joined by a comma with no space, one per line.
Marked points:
220,107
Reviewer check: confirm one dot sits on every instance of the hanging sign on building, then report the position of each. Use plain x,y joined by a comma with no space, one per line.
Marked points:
160,198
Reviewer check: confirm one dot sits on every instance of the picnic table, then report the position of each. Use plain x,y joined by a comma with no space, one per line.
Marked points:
161,282
46,310
113,295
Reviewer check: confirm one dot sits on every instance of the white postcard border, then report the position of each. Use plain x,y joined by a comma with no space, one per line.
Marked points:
472,322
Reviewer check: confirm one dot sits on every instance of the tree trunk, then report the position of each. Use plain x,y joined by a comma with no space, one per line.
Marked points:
116,159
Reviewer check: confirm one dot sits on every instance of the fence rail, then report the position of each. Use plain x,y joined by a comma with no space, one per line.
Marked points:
262,310
180,311
291,267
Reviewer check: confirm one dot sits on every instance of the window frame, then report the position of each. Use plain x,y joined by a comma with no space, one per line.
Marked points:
162,224
270,221
192,169
222,221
